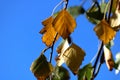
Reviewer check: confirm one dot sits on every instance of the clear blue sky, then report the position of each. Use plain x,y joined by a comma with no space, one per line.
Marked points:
20,42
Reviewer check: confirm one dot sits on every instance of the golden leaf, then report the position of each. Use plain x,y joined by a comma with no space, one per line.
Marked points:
108,58
64,24
104,32
45,23
48,32
72,56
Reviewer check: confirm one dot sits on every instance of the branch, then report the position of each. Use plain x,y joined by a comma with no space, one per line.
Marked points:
97,58
110,9
52,47
101,46
99,65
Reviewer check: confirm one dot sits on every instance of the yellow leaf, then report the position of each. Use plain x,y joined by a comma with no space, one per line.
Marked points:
46,22
108,58
104,32
64,24
72,56
48,32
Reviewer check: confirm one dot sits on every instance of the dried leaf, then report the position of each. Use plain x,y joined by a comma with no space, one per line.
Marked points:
115,19
46,22
73,57
64,24
48,32
61,49
104,32
108,58
41,68
85,73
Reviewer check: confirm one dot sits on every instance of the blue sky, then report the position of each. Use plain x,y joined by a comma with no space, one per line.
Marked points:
20,42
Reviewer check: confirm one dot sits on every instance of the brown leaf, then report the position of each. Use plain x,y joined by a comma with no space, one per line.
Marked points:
104,32
48,32
64,24
108,58
73,57
41,68
115,19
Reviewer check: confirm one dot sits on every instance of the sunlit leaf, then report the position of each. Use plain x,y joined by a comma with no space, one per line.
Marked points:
73,57
76,10
45,23
104,32
117,63
115,19
48,32
61,49
41,68
60,73
108,58
64,24
85,73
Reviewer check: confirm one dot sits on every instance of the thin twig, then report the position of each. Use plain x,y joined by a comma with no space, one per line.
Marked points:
99,65
43,51
56,7
97,58
52,47
101,46
110,9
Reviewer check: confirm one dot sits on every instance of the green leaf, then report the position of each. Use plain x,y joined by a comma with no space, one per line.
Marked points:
75,11
95,15
60,73
86,72
41,68
117,63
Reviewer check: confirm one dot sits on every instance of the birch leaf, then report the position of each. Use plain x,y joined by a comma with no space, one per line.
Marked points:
46,22
61,49
60,73
48,32
64,24
117,63
104,32
73,57
75,11
85,73
41,68
108,58
115,19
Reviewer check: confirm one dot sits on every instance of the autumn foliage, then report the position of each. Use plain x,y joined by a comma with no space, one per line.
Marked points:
61,25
